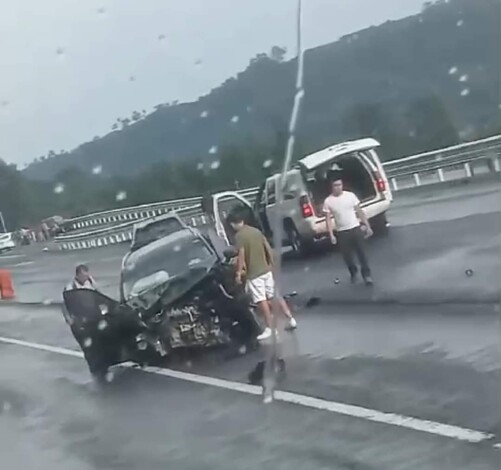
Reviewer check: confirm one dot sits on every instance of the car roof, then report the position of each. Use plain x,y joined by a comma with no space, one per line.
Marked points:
158,218
317,159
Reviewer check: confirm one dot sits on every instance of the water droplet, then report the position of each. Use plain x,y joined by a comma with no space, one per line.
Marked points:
214,165
336,281
249,109
97,170
4,103
412,133
47,301
354,36
204,114
200,166
453,70
420,19
306,269
463,78
102,325
132,78
177,248
121,196
213,150
6,406
60,51
268,163
460,23
59,188
465,92
101,11
87,343
161,37
198,62
109,376
469,272
235,119
104,309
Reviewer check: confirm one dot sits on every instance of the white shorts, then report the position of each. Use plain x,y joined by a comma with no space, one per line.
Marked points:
261,288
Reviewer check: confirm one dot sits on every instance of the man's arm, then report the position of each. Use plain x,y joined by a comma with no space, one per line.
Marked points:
240,264
363,218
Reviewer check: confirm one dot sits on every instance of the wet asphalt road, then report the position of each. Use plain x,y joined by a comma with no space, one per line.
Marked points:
438,360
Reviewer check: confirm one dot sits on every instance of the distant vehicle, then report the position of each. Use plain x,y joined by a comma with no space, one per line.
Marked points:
6,242
301,214
154,229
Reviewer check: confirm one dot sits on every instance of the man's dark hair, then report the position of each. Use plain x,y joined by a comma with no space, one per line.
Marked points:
235,217
81,268
335,175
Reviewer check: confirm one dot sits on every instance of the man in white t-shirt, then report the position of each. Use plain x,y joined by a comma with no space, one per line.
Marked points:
344,207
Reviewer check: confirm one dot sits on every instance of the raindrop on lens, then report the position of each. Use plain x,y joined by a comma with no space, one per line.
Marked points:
249,109
109,376
60,51
460,23
87,343
214,165
200,166
4,103
102,325
235,119
132,78
104,309
59,188
6,406
267,163
213,150
177,248
47,301
122,195
463,78
453,70
97,170
204,114
465,92
161,37
101,11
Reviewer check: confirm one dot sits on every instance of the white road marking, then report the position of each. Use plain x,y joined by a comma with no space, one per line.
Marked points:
11,256
393,419
22,263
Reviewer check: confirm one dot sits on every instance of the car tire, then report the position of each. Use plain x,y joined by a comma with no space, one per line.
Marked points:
296,242
380,225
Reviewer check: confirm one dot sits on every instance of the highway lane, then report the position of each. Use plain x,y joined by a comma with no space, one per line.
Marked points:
430,363
434,355
436,236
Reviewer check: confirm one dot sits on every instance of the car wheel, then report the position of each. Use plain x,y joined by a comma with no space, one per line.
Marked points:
296,242
380,224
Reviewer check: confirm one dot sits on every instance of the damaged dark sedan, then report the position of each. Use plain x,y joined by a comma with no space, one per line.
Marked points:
175,293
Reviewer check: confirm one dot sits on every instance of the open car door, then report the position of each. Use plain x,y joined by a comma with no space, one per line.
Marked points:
225,202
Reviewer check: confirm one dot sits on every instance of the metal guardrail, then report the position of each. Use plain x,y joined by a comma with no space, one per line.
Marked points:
465,157
135,213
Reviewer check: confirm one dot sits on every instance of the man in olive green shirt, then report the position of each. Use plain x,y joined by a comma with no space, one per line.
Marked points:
255,257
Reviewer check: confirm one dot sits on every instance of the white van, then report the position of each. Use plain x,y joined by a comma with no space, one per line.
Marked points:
305,190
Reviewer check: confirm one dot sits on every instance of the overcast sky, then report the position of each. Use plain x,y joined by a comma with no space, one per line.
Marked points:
66,65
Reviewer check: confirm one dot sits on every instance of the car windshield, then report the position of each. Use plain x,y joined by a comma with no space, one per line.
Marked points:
154,231
181,261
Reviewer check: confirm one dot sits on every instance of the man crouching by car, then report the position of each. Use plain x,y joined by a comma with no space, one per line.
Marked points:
255,257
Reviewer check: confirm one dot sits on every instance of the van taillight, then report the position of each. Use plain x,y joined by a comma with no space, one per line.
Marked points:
306,207
380,182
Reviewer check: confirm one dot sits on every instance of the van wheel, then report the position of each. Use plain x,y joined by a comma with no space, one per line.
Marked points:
380,224
296,242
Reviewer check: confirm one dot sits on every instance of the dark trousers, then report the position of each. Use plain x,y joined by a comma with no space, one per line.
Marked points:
351,243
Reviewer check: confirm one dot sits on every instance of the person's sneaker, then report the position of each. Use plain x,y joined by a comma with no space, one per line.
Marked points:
292,325
368,281
265,334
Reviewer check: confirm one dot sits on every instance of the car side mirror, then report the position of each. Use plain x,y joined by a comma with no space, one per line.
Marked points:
230,253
